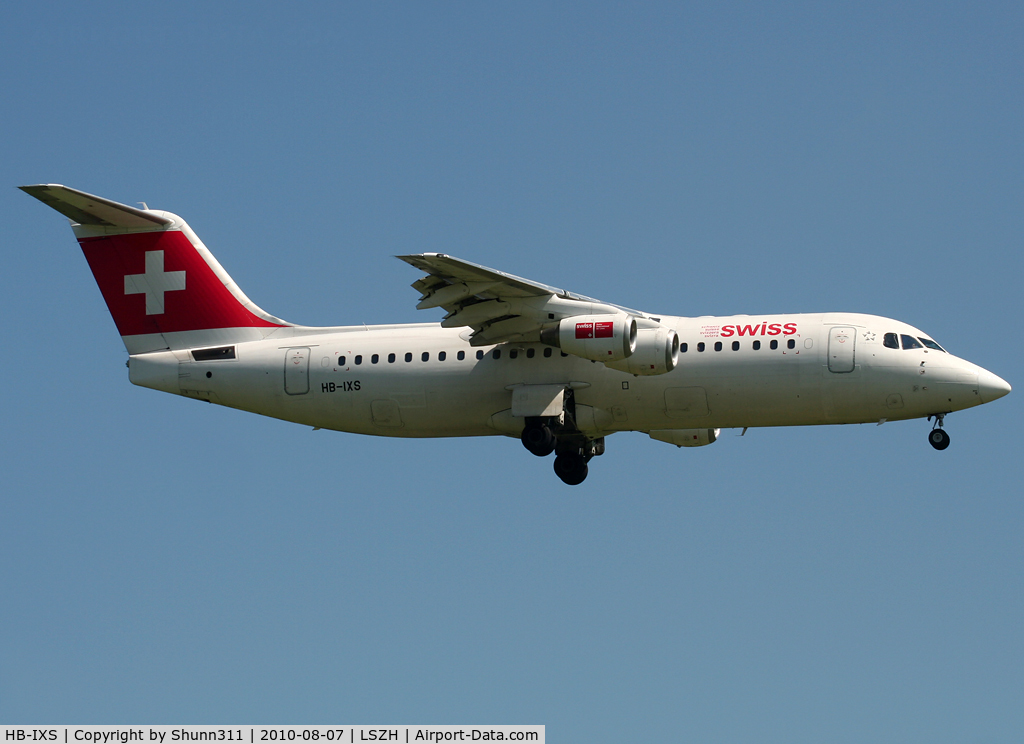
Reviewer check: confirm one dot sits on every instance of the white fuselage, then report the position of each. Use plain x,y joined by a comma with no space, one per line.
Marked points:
512,356
837,371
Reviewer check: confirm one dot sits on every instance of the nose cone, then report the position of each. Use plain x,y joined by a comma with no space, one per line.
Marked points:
991,387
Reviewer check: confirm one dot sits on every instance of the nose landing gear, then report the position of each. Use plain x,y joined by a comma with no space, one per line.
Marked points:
937,437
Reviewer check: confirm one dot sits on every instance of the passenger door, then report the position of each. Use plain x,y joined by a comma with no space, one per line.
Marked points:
842,341
296,371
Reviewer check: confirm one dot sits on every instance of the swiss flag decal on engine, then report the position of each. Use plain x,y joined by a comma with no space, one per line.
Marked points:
601,329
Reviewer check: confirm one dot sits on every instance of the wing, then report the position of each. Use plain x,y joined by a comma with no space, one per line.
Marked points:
500,307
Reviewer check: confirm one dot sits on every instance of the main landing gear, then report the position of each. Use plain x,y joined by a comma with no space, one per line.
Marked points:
573,450
937,437
543,435
538,438
573,456
571,468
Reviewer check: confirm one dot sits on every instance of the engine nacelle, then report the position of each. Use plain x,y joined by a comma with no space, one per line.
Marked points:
657,352
603,338
686,437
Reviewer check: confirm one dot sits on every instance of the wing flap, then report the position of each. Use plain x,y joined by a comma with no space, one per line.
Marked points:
501,329
452,294
477,315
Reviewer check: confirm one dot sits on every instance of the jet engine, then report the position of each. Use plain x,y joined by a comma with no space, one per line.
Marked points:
602,338
657,352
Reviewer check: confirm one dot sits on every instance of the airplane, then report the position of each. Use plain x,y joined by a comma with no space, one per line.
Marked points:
513,357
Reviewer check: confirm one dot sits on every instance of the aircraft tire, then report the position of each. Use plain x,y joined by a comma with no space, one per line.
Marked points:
571,468
938,439
538,440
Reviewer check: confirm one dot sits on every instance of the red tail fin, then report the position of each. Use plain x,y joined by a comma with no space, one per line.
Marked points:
157,282
163,287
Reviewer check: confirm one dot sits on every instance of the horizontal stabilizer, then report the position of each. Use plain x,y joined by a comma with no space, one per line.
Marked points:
86,209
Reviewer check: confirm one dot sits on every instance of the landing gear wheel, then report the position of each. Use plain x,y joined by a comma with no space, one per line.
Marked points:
571,468
538,439
938,439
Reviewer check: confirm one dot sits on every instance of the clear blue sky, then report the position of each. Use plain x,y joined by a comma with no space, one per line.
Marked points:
167,561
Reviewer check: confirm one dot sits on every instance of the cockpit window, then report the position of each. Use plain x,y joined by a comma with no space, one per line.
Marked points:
909,342
891,341
930,344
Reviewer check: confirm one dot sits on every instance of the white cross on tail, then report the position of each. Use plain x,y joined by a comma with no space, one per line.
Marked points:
154,282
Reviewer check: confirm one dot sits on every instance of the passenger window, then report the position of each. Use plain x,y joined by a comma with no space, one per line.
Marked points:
513,354
479,354
496,354
757,345
462,355
890,341
791,344
391,358
341,361
374,359
735,345
718,345
909,342
359,358
774,344
425,356
442,355
700,346
408,356
547,352
682,348
530,352
930,344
